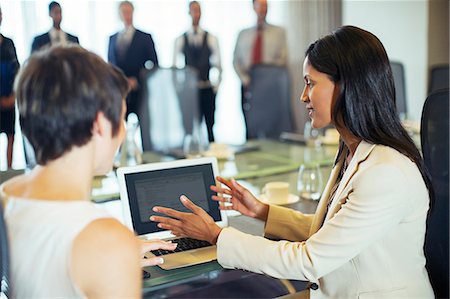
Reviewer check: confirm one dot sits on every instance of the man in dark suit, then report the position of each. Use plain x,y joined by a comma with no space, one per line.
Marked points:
55,35
129,50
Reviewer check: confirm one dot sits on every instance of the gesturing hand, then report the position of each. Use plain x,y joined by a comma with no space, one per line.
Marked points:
147,246
240,198
198,224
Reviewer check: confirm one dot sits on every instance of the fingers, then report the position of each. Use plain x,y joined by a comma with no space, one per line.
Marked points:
237,186
157,244
153,261
220,190
166,223
225,182
193,207
221,199
169,212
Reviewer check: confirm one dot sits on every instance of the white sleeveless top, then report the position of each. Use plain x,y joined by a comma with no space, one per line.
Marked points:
41,235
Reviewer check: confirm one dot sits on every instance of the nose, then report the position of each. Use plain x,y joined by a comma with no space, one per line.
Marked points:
304,96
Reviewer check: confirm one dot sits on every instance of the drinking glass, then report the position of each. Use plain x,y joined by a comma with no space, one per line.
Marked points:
192,147
309,182
311,135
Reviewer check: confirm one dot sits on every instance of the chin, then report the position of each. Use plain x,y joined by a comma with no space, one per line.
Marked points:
318,124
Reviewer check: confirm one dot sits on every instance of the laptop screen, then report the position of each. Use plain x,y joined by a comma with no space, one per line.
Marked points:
163,187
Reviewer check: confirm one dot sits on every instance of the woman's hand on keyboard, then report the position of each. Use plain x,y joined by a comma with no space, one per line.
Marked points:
147,246
197,225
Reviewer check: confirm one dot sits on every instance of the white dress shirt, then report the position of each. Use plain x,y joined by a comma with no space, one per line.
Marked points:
274,49
58,37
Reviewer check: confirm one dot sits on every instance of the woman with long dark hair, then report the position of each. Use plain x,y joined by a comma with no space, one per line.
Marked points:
366,238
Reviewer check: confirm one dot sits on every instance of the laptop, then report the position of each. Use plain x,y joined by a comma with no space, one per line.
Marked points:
161,184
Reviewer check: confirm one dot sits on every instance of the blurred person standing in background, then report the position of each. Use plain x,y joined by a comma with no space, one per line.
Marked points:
200,50
55,35
129,50
263,43
9,65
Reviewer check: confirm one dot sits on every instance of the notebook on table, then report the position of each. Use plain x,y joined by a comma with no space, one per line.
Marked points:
161,184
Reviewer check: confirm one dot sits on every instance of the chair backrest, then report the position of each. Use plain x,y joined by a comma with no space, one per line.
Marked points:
4,257
268,113
434,136
170,107
400,88
438,78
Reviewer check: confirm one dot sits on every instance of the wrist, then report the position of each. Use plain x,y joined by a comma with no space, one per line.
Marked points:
263,212
215,235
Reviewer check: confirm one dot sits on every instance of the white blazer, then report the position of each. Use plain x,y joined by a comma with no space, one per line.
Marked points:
367,244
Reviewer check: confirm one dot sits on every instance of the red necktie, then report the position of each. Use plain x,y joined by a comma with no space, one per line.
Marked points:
257,48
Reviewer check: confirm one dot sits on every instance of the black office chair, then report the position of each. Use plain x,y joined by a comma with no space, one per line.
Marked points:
439,78
400,88
268,102
434,137
4,256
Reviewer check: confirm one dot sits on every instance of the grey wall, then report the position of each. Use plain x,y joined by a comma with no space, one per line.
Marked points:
438,32
415,33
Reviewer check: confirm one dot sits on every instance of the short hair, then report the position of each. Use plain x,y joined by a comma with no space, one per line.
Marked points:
52,5
60,91
356,61
122,3
192,3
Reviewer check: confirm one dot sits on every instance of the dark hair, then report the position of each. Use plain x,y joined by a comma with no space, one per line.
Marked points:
52,5
192,3
122,3
357,62
59,92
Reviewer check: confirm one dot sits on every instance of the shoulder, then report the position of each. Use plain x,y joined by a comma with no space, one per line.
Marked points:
7,40
248,30
210,35
112,36
385,155
275,28
386,168
106,230
102,254
71,36
142,33
42,36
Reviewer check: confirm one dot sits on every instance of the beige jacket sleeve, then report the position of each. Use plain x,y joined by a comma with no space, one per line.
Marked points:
287,224
372,205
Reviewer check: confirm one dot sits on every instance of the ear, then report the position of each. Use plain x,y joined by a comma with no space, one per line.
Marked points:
100,126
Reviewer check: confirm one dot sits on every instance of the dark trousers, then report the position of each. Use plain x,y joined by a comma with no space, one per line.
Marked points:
245,107
207,101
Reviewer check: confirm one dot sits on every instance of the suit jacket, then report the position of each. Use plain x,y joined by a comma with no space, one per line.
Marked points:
140,50
44,39
367,244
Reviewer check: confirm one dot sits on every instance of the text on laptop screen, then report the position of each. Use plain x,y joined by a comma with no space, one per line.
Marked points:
164,188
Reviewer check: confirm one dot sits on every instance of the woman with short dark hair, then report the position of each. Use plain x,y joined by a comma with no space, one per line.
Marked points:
366,238
72,108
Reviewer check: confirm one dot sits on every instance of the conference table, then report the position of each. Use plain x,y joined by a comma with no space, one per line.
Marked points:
253,165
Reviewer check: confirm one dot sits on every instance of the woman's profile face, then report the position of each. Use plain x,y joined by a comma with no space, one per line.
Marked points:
318,95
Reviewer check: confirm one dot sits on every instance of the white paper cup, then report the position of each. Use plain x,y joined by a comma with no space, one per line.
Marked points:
276,192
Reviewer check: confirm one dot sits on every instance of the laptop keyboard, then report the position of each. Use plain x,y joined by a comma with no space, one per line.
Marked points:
183,245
